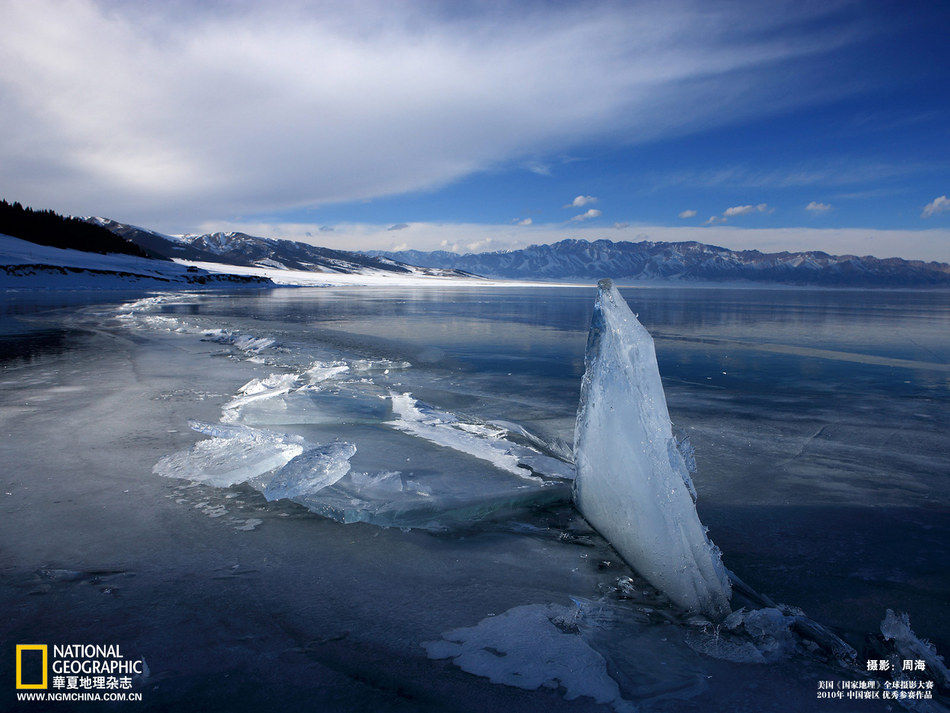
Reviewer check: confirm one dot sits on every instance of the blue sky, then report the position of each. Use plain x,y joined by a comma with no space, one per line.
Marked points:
470,127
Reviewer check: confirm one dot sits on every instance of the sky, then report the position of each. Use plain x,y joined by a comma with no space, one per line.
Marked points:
488,126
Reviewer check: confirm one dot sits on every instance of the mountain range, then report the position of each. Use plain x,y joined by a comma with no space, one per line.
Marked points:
575,260
566,260
234,248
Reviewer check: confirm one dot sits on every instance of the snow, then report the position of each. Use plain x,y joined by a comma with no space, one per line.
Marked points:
29,265
632,481
365,278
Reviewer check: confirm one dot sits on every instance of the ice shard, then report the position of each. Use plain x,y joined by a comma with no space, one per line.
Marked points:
632,481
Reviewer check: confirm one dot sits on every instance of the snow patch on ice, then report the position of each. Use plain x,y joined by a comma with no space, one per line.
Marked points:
529,647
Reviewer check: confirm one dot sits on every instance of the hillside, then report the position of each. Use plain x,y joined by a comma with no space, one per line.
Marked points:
573,259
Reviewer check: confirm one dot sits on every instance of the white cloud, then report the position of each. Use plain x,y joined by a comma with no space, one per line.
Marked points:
482,245
169,114
620,226
713,219
523,221
587,215
931,244
398,226
400,246
937,205
816,207
745,210
690,213
581,201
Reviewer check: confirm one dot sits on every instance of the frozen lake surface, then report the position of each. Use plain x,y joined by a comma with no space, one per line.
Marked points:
359,499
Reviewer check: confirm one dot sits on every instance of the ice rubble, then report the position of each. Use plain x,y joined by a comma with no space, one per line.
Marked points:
896,628
438,492
320,478
632,481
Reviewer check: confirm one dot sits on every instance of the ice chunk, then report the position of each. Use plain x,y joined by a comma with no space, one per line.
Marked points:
321,371
757,636
481,440
244,342
529,647
311,471
632,480
897,629
234,454
260,389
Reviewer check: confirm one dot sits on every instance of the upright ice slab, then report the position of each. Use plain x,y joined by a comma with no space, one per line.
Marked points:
632,482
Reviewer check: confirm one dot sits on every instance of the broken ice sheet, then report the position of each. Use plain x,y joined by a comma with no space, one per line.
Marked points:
439,488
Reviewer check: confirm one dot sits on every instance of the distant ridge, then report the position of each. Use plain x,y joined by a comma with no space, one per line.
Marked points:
574,259
234,248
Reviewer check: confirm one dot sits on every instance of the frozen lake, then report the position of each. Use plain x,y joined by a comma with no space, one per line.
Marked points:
818,419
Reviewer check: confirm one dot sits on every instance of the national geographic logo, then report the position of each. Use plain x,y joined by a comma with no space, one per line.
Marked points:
77,672
36,659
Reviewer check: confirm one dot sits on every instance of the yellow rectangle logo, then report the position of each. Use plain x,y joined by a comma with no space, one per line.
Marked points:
20,648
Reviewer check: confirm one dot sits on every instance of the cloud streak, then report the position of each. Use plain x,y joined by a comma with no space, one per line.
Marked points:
745,210
173,113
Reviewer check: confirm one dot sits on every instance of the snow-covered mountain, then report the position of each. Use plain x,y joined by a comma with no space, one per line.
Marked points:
688,261
29,265
249,251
